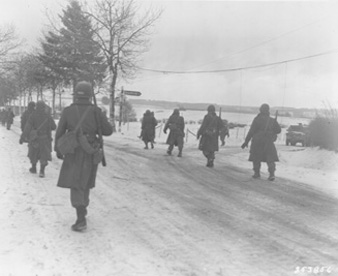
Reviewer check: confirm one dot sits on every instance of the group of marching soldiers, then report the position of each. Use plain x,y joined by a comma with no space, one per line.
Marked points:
7,117
79,167
176,125
262,134
86,122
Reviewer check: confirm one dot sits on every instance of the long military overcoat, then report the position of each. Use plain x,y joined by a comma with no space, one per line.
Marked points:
41,149
148,127
78,169
211,124
176,126
25,116
263,132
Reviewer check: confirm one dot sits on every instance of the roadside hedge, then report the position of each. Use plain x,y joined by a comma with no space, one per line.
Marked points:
323,132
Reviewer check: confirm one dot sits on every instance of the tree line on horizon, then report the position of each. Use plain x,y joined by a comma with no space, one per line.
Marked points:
282,111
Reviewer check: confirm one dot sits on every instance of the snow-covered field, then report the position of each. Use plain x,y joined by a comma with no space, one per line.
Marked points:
146,220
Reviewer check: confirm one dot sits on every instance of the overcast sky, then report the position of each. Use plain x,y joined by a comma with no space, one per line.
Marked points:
221,35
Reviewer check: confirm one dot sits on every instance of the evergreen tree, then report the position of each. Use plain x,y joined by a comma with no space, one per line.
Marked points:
72,54
53,57
82,59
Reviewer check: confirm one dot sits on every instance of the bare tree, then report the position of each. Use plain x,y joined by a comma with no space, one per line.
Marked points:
123,36
8,41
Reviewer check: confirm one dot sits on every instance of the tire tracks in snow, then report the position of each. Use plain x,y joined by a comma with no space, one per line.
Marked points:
271,219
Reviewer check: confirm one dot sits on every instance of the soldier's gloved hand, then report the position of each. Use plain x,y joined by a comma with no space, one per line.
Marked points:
21,141
244,145
59,155
165,131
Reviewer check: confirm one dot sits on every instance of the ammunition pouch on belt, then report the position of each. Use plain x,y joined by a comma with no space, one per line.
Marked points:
91,145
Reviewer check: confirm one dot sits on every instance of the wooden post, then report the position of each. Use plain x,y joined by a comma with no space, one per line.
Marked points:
121,106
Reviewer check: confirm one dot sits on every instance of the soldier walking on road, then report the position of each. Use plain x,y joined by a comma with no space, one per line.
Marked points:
263,132
9,118
78,170
26,114
176,125
209,133
3,117
38,133
148,128
224,132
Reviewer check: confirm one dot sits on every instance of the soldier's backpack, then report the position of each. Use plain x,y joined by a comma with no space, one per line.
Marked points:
68,142
211,129
33,135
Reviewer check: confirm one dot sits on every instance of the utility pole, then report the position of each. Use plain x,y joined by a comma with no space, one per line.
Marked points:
122,101
121,107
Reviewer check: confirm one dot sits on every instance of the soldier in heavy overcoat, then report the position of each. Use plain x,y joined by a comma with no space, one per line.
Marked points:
263,132
176,126
78,170
209,133
3,117
38,133
224,132
149,124
9,118
26,114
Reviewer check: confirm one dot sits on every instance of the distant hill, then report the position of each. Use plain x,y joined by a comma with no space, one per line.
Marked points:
282,111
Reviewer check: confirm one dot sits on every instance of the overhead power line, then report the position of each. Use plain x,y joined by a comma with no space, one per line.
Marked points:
264,42
238,68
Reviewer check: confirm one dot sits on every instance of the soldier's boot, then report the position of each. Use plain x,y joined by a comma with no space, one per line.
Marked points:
271,176
42,171
152,145
256,175
33,168
256,169
180,153
80,223
271,169
210,162
169,151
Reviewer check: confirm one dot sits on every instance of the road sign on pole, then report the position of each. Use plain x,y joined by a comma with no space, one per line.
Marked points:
131,93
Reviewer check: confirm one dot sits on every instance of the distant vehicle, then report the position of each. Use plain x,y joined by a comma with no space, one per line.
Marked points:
297,134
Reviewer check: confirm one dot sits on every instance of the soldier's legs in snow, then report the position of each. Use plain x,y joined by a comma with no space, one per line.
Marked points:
170,149
256,169
80,201
271,169
180,143
43,164
80,223
79,197
146,145
222,137
210,155
211,158
33,157
180,147
33,168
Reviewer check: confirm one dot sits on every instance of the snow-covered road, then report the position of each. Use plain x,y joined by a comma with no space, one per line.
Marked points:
159,215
